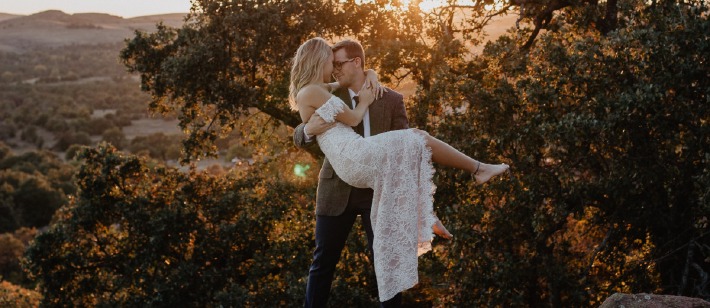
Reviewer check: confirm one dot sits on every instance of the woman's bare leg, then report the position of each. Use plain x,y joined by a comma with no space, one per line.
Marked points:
444,154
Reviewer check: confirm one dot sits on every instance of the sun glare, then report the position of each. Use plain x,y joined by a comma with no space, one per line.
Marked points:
426,5
429,5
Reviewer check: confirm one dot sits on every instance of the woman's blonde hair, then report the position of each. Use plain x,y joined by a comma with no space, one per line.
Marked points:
307,66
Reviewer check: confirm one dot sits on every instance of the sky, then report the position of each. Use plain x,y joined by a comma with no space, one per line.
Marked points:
123,8
127,8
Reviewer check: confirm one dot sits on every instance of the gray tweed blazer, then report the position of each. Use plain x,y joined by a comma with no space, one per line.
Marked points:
386,113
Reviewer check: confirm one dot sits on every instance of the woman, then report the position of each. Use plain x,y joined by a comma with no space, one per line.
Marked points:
397,165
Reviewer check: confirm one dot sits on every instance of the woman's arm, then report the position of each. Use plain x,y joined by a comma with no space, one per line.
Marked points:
353,117
312,97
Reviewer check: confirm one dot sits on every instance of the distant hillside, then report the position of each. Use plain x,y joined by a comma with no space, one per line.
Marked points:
4,16
55,28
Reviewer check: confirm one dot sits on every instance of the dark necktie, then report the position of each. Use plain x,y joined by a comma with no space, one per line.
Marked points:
359,128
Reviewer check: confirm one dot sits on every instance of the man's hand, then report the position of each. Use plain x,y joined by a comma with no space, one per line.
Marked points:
316,125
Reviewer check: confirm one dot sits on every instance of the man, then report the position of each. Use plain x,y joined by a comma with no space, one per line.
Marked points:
337,203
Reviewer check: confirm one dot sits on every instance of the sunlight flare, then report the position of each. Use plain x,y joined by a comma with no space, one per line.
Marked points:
300,170
429,5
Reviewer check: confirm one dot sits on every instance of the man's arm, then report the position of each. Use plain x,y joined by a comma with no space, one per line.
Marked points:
299,137
315,126
299,140
306,133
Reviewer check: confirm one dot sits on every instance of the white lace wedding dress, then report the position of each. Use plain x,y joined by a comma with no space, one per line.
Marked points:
397,166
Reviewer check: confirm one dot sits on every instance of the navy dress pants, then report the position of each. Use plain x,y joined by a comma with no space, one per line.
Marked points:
331,234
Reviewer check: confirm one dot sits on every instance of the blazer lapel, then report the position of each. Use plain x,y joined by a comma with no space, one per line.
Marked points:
377,117
345,96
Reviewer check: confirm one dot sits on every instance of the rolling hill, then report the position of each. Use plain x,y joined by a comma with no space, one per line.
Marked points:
56,28
5,16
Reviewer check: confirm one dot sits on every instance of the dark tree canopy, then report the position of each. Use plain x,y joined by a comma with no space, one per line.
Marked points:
229,58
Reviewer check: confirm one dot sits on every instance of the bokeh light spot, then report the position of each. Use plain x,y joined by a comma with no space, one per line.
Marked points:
300,170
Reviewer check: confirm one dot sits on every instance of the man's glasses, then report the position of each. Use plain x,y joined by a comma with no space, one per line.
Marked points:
339,64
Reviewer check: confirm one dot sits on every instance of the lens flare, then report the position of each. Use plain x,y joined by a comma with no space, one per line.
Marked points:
300,170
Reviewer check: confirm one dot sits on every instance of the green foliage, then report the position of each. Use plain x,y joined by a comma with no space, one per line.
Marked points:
115,136
61,63
65,140
238,151
607,136
12,247
136,235
157,145
139,235
17,297
45,115
72,152
98,126
231,56
32,187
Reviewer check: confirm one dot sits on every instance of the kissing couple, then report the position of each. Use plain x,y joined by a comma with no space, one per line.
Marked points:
375,166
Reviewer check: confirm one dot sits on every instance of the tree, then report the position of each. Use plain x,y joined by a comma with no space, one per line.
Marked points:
115,136
237,56
32,187
605,195
10,253
15,296
67,139
137,235
12,247
157,145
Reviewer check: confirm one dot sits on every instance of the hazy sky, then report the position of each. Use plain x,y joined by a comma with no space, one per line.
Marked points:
123,8
127,8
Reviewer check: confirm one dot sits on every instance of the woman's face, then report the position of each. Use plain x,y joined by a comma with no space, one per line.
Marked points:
328,68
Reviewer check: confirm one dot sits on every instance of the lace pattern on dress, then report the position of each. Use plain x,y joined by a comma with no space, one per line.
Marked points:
397,166
330,109
402,212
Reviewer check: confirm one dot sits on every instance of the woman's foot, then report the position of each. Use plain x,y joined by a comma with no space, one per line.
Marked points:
485,172
440,230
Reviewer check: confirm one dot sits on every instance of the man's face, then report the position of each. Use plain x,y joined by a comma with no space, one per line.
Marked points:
345,69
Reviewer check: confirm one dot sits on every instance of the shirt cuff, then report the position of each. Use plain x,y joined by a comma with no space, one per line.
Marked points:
308,138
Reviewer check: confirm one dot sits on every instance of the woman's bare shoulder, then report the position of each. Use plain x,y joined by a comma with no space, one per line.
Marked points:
312,95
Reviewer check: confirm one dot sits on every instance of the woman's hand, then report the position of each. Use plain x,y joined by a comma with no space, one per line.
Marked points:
372,84
366,96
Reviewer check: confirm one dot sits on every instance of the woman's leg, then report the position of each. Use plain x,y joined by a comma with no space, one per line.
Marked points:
444,154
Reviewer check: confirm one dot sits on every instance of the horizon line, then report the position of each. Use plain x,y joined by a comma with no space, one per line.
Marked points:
104,13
